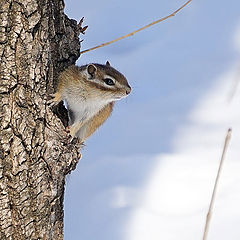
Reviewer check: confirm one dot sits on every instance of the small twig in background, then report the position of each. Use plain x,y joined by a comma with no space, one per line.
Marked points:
208,218
80,28
138,30
235,85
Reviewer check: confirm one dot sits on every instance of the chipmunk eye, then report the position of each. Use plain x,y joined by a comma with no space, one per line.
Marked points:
109,81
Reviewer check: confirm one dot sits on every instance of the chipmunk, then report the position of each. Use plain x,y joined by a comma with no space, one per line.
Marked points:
89,92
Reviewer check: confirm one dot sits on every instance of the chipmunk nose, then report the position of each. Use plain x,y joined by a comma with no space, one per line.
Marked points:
128,90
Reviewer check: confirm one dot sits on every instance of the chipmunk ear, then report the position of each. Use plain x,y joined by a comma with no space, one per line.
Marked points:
108,63
91,69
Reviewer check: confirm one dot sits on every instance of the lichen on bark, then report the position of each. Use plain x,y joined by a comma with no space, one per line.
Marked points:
37,41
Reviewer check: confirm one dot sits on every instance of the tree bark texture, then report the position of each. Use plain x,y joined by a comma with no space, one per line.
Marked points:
37,41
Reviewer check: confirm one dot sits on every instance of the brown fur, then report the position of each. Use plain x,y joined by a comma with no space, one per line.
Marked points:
99,119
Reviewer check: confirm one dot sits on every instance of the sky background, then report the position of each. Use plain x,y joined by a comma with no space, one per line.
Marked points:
148,172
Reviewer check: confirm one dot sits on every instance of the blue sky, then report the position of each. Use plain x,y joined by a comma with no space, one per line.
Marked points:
168,133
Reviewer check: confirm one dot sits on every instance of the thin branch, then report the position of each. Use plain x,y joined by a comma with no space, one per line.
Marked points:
138,30
235,85
209,215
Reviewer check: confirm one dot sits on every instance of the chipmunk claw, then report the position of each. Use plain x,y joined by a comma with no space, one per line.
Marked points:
69,137
51,102
54,100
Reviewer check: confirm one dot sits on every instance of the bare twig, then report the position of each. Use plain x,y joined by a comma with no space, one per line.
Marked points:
235,85
208,218
138,30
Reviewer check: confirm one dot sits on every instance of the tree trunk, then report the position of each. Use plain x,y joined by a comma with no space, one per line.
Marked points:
37,41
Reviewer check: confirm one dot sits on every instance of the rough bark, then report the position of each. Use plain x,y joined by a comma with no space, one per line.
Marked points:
37,41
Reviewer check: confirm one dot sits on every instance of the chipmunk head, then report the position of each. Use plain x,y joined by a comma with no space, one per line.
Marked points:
112,84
